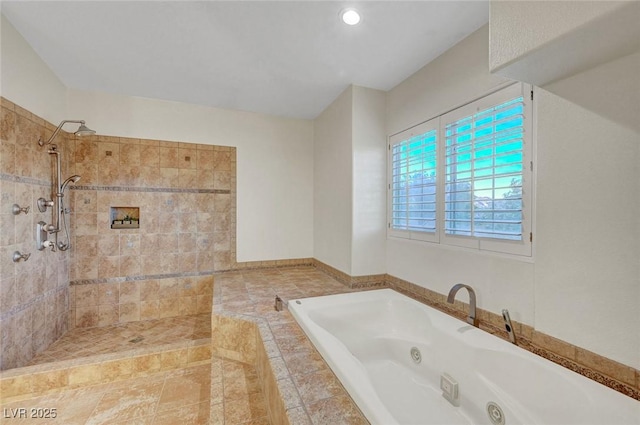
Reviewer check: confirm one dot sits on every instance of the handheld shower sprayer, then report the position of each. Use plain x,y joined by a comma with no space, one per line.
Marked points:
73,179
63,246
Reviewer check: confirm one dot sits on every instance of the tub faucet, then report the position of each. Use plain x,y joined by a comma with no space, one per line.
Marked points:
471,319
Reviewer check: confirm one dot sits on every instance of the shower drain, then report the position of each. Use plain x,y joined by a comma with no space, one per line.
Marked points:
416,356
495,413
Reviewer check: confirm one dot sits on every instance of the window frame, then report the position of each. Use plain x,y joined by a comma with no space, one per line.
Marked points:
521,248
425,127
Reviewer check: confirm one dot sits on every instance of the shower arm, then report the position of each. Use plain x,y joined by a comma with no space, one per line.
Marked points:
55,133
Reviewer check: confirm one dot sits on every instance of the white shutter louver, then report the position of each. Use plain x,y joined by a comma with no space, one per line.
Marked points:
413,182
484,173
465,178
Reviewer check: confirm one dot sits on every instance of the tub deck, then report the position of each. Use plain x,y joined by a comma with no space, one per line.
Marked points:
299,386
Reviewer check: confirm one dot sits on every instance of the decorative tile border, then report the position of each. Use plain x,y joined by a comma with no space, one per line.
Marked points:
140,277
272,264
368,281
149,189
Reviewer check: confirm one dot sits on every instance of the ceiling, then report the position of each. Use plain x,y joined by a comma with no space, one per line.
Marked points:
286,58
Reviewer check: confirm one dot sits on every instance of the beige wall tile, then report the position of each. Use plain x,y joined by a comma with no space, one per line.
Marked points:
86,317
116,369
554,345
199,353
12,387
45,381
129,312
149,309
173,359
86,374
147,363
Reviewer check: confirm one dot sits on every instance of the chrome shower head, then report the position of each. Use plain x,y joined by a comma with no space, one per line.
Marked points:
83,130
72,179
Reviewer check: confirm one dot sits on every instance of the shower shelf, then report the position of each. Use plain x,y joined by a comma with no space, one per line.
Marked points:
125,217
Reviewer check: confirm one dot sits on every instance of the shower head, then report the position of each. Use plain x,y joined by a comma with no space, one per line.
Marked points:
83,130
72,179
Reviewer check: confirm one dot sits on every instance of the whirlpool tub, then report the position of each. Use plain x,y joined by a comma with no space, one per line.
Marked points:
397,357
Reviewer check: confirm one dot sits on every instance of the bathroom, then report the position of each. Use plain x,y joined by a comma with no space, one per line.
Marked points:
579,288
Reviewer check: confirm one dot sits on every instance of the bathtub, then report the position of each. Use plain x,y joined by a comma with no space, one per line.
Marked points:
393,355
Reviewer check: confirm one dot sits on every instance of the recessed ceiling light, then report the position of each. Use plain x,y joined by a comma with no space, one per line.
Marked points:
350,16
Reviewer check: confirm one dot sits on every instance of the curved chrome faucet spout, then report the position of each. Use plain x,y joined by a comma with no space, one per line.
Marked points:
472,319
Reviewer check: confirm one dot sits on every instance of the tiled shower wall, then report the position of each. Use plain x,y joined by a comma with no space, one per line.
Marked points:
34,294
186,199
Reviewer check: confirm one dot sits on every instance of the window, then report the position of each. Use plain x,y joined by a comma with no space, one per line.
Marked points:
413,182
464,178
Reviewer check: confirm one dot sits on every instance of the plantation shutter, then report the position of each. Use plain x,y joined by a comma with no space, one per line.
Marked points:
465,178
484,171
413,159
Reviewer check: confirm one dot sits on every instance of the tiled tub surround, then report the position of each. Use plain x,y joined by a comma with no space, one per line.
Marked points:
34,297
299,386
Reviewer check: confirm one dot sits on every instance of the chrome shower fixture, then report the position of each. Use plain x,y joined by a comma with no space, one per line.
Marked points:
83,130
72,179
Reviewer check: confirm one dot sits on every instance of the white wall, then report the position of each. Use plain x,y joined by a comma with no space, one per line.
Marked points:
26,80
332,189
587,270
454,78
274,162
545,21
583,284
562,38
369,181
349,183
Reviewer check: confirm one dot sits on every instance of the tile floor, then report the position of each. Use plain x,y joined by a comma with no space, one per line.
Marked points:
220,392
83,342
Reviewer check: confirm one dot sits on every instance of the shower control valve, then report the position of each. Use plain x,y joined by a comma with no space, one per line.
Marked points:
42,236
43,204
48,244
